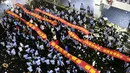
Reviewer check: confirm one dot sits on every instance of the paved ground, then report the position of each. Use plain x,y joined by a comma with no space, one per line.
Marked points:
117,16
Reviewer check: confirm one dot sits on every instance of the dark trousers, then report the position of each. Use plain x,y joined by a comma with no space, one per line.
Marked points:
69,4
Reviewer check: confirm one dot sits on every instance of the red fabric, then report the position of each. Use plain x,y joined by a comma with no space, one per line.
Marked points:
57,42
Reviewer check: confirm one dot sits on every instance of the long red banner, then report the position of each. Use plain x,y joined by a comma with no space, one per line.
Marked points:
36,15
94,46
43,35
81,63
64,21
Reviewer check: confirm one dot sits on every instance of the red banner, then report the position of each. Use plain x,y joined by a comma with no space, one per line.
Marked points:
36,15
77,61
94,46
43,35
64,22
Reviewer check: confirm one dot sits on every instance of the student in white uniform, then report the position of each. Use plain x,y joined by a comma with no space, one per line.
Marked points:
38,69
30,69
57,69
47,61
13,52
52,62
38,62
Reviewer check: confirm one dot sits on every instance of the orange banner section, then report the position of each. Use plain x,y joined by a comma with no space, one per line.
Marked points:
79,62
64,21
110,52
36,15
43,35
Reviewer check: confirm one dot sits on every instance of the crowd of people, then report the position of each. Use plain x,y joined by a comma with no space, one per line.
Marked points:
24,51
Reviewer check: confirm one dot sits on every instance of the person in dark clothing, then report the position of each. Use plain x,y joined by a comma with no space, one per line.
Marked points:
69,3
129,25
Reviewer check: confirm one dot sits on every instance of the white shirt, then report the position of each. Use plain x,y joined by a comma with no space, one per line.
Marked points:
49,55
16,11
52,62
93,64
41,47
20,14
47,61
21,45
58,62
42,27
74,22
60,57
35,24
120,49
27,50
79,17
62,63
32,51
51,71
57,69
54,37
28,63
26,46
62,12
30,69
20,49
54,57
36,52
38,62
43,59
126,64
2,43
25,56
67,71
39,70
71,18
8,52
84,19
68,61
31,21
13,52
28,58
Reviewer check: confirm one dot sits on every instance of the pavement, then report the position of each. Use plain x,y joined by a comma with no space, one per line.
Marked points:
117,16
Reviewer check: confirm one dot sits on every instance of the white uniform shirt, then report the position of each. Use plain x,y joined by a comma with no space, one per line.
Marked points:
13,52
52,62
47,61
38,62
30,69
